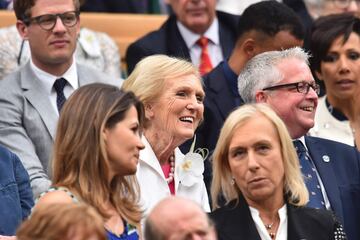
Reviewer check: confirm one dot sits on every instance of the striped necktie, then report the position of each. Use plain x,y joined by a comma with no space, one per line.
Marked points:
59,86
205,61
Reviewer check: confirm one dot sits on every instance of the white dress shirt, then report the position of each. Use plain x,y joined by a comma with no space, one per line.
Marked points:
281,233
48,80
214,47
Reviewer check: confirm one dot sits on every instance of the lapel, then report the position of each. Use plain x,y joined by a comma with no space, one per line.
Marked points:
295,228
35,93
148,156
84,77
176,45
237,221
317,152
222,96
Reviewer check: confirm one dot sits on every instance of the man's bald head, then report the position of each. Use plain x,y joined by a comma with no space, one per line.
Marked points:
177,218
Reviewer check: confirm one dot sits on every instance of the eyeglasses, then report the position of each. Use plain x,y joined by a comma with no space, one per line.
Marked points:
344,3
48,21
301,87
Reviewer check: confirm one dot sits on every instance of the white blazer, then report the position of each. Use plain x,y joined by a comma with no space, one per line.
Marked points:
153,186
326,126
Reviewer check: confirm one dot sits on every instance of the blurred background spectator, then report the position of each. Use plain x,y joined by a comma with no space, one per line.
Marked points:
335,49
63,222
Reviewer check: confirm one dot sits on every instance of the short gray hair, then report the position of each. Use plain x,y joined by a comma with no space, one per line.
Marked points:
261,71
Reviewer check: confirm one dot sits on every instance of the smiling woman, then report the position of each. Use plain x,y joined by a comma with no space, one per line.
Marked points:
335,46
172,93
258,174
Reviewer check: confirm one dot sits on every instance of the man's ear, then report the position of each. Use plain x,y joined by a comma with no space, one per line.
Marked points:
22,29
149,113
261,97
249,48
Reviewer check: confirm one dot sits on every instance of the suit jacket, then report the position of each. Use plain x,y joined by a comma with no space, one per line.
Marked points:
339,168
28,121
235,222
16,199
168,40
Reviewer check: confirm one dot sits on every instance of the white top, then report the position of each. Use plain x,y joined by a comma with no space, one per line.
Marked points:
281,233
48,80
153,186
327,126
214,47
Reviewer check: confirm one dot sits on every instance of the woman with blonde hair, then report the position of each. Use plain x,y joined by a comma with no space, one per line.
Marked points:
63,222
256,169
95,156
172,93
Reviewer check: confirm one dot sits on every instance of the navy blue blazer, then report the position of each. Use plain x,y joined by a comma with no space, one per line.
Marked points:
234,221
168,40
339,168
16,198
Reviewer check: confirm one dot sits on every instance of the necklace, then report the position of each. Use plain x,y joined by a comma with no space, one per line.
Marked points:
172,169
269,228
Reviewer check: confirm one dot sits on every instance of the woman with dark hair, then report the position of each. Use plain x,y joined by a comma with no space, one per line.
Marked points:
335,47
95,156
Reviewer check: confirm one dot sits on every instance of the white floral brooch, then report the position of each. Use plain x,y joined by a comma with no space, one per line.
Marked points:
191,169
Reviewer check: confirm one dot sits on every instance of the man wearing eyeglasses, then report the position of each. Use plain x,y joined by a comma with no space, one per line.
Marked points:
32,97
331,169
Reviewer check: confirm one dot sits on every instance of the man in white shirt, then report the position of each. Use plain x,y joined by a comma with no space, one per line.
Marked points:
32,97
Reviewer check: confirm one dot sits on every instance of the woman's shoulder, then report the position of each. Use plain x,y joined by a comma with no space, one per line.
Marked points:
56,195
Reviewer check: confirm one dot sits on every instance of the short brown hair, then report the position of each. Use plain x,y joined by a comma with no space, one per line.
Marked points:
22,8
58,221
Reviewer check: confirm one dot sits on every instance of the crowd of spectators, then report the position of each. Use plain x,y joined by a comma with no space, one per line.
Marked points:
218,132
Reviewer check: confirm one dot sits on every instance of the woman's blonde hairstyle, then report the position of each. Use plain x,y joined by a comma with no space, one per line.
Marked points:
80,160
59,221
147,80
294,188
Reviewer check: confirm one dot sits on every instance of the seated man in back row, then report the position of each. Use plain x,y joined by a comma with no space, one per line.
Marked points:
196,32
283,80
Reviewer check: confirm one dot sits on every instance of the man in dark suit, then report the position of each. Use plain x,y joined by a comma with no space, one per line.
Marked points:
31,98
264,26
284,81
178,36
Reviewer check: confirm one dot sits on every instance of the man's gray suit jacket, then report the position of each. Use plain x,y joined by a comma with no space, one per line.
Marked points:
28,120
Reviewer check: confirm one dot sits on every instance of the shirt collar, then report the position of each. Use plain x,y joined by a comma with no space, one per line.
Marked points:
190,38
48,80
